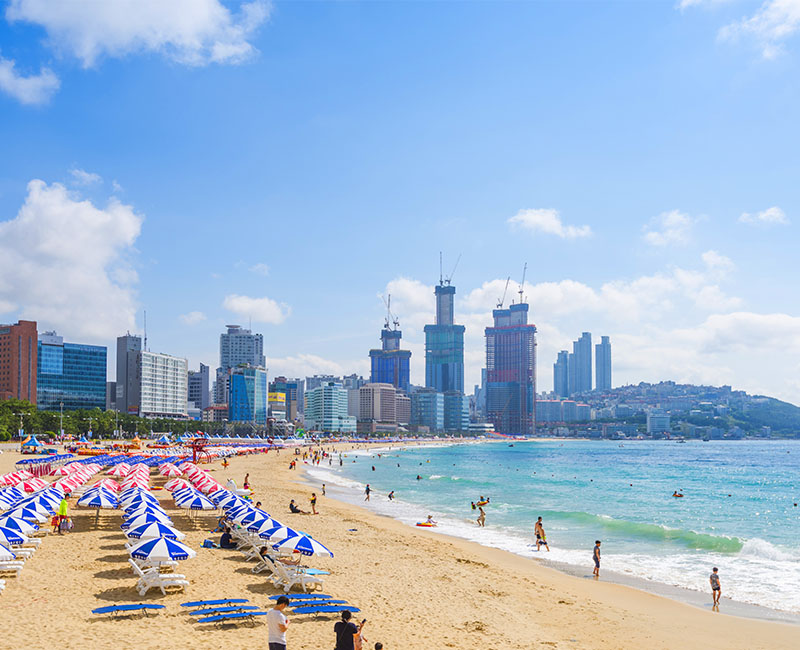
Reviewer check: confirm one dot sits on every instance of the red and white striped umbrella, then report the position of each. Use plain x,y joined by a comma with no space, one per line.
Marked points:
109,483
122,469
61,471
32,484
176,484
168,469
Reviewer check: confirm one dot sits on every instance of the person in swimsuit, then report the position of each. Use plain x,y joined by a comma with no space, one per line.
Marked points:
391,495
596,558
716,590
366,492
541,539
481,517
314,503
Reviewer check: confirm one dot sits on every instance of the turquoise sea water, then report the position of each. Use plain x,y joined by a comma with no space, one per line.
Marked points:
738,511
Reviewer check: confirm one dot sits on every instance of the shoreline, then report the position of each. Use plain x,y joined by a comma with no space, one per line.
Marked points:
683,595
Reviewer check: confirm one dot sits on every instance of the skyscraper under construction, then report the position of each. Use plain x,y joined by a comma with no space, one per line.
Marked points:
511,371
444,345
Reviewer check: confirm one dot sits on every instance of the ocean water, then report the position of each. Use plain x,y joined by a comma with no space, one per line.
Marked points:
738,512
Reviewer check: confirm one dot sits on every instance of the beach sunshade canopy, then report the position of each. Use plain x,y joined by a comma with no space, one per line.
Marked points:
32,484
98,500
147,518
196,502
175,484
303,544
161,549
153,530
9,537
20,525
6,554
28,513
262,525
278,534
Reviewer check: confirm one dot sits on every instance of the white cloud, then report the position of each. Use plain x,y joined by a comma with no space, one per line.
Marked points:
773,215
192,318
33,89
260,269
63,263
193,32
83,177
770,26
673,227
307,365
548,221
262,310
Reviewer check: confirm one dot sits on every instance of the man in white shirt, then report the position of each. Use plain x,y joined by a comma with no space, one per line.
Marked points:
277,623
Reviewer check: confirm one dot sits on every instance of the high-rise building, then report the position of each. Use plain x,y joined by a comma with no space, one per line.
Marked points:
247,394
561,375
427,410
511,371
402,409
456,412
444,345
293,390
326,409
18,361
321,380
582,353
162,388
128,349
377,402
69,374
111,396
238,346
198,386
602,359
390,364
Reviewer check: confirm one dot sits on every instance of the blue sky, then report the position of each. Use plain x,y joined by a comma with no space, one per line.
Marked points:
289,162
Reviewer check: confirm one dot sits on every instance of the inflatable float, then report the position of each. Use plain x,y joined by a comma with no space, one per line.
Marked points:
425,524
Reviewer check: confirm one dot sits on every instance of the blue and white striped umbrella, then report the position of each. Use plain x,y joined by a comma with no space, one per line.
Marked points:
248,518
262,525
44,503
140,505
131,492
237,509
184,492
153,530
136,499
278,534
146,510
221,496
28,513
303,544
20,525
149,518
6,554
97,500
11,537
198,502
161,549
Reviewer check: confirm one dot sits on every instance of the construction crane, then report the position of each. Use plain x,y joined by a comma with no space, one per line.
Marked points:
446,280
503,299
390,320
522,284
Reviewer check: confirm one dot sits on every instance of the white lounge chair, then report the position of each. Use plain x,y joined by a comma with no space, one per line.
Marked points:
151,579
8,567
286,577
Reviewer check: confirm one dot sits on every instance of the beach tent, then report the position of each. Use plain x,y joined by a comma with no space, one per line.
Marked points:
164,440
33,442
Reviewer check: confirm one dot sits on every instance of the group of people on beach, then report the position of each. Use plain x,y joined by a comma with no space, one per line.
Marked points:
349,636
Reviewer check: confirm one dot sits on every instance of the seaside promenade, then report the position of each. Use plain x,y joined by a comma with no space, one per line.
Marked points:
417,588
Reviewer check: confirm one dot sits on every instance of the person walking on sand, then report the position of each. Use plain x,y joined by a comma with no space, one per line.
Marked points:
277,624
346,632
596,558
323,489
314,503
716,590
481,517
366,492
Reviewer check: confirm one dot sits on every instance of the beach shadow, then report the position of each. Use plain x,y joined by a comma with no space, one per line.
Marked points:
261,588
113,574
117,558
113,547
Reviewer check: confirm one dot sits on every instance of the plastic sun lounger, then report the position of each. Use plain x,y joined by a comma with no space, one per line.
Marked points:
221,619
303,597
222,610
120,609
221,601
325,609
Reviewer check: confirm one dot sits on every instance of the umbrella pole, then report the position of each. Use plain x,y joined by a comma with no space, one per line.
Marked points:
97,519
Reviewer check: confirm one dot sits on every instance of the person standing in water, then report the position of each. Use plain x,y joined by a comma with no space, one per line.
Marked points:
716,589
596,558
481,517
541,539
366,492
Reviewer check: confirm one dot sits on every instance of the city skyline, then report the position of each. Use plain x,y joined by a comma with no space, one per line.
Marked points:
344,145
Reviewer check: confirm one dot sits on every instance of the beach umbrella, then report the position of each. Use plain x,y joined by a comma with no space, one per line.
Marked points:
175,484
6,554
139,499
28,513
227,500
20,525
98,499
146,510
262,525
153,530
146,518
168,469
198,502
32,484
45,504
248,518
109,483
121,469
61,471
278,534
303,544
161,549
11,537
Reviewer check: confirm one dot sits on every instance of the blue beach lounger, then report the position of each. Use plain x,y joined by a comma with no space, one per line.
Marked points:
221,601
222,610
325,609
315,603
121,609
303,597
221,619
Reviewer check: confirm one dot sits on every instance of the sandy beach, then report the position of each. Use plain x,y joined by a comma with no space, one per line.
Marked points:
418,589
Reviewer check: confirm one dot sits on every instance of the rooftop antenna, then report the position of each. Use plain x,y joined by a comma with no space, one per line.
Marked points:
503,299
450,277
522,284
